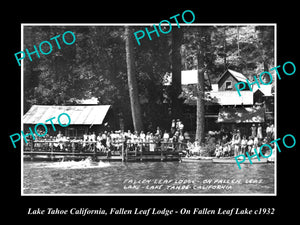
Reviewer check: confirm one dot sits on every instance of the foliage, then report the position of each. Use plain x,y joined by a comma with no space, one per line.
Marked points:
95,65
246,49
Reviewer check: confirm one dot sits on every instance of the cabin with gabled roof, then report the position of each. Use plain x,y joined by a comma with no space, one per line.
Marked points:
224,106
229,78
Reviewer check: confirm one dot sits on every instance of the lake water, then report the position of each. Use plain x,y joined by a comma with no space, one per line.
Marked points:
87,177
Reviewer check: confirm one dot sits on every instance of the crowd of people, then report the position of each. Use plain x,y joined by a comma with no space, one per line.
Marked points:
113,140
223,143
232,143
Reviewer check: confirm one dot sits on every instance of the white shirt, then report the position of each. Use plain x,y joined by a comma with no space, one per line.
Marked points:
166,136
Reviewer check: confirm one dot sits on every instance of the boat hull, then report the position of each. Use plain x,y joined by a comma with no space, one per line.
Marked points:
222,160
196,159
233,161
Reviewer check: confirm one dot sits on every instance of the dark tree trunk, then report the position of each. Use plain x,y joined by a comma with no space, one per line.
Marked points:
176,73
200,116
132,83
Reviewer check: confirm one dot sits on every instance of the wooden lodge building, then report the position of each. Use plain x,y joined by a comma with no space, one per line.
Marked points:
224,108
84,119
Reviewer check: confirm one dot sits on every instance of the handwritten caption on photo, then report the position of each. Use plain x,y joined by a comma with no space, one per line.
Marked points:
186,184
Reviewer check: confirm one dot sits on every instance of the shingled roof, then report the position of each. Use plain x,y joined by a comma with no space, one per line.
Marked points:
238,76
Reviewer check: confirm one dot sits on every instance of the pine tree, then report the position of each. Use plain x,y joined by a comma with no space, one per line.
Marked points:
176,73
132,84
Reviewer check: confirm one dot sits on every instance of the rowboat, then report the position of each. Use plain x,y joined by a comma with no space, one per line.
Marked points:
233,161
196,159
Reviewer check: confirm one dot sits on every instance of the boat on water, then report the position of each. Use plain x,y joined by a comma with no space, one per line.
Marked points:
224,160
230,160
196,159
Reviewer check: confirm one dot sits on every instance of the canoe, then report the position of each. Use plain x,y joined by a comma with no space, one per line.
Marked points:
196,159
233,161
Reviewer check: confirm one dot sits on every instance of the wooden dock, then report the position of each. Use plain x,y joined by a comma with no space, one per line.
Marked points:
45,151
129,156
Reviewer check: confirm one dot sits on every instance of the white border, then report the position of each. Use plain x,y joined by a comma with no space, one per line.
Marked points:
150,24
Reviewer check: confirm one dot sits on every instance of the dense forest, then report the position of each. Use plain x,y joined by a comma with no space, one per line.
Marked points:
96,65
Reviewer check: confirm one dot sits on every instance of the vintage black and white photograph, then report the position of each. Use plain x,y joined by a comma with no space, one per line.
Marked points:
148,109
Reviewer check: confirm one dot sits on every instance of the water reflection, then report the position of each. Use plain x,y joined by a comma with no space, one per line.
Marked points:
109,178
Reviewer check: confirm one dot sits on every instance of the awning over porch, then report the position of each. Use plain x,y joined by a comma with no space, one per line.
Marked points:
80,115
241,115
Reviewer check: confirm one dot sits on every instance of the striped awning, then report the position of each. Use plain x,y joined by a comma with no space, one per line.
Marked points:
80,115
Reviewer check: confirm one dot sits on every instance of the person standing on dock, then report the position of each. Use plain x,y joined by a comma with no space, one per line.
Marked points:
253,130
259,132
175,140
250,145
177,124
142,137
186,136
180,141
181,127
98,139
272,131
158,133
173,128
103,139
93,137
93,140
255,143
236,143
269,131
166,137
152,145
244,145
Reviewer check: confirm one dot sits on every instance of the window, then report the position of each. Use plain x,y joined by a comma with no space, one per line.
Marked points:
228,85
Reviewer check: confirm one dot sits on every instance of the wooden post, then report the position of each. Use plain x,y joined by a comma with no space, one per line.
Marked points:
95,152
73,148
31,145
51,157
126,150
141,155
122,152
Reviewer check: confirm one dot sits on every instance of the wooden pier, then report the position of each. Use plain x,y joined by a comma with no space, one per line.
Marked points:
46,152
129,157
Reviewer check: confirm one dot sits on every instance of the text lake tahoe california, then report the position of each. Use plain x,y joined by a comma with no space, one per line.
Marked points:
151,211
